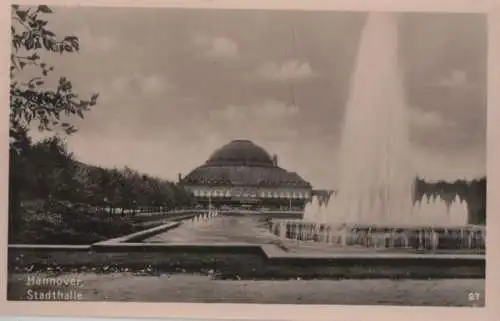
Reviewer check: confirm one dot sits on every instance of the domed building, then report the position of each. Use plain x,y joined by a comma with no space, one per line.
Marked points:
242,174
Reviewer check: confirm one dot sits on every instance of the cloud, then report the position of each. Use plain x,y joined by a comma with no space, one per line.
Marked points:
218,47
457,78
269,110
429,119
91,42
288,70
146,84
271,120
434,166
153,84
130,87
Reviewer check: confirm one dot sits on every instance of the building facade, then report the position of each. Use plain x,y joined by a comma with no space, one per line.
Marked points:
242,174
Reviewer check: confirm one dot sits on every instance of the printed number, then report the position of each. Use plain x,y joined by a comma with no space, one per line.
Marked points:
474,296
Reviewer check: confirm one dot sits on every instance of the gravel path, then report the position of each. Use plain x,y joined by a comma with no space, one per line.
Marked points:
199,288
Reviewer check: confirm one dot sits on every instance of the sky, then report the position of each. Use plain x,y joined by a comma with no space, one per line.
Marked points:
176,84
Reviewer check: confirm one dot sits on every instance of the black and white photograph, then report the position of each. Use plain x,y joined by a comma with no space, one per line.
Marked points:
300,157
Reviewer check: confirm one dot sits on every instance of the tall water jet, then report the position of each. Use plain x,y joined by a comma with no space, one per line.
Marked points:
376,178
373,206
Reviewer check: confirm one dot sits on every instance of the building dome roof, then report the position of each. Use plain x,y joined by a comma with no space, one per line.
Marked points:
240,153
242,163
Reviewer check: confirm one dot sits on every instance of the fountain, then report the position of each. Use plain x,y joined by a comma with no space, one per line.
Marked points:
376,178
374,205
312,211
202,218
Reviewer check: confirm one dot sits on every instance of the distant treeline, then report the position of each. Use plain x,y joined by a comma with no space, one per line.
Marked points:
474,192
54,198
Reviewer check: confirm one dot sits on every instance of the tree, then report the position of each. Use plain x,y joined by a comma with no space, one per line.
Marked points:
84,186
100,182
31,102
17,180
130,189
114,181
57,168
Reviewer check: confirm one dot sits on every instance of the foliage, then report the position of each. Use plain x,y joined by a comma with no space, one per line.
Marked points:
474,192
47,186
67,201
69,224
31,101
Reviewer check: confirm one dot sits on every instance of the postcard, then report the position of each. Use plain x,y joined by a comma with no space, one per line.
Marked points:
263,160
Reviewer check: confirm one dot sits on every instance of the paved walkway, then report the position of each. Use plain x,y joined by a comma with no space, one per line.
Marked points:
254,230
221,229
198,288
